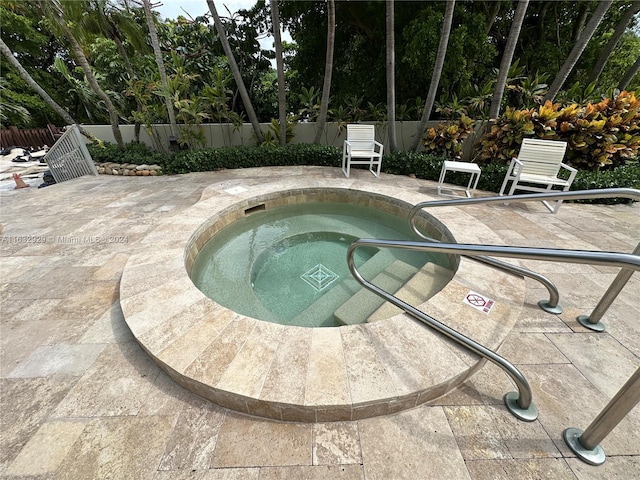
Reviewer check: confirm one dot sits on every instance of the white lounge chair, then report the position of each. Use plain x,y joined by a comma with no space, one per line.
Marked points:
361,144
539,162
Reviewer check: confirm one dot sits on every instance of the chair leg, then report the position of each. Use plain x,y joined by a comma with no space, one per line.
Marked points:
512,189
346,165
504,185
559,202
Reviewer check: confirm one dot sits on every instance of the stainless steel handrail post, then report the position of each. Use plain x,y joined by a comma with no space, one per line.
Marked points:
586,445
513,401
592,321
520,404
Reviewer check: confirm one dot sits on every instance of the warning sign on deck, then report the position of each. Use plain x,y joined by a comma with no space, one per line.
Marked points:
479,302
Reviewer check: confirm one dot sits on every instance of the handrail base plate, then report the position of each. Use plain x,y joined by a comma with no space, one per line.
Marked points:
592,457
584,321
544,305
525,414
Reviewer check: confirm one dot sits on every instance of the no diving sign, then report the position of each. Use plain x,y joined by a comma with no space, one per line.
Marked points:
478,301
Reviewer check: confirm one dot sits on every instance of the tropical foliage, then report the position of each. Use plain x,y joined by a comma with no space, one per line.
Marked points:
599,135
114,38
447,139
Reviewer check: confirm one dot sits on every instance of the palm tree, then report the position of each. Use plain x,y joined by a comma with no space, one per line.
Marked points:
578,48
391,79
56,13
328,69
437,72
13,61
246,101
113,22
282,105
507,56
629,75
153,34
613,41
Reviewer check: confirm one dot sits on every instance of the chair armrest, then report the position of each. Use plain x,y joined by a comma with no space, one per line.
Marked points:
567,167
514,167
379,145
347,146
572,172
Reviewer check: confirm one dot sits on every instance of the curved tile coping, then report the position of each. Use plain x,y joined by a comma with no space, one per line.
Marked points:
310,374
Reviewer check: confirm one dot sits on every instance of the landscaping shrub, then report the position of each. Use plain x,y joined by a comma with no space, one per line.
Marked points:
210,159
600,135
625,176
448,138
135,153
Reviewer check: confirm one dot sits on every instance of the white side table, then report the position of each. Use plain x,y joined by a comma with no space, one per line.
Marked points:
465,167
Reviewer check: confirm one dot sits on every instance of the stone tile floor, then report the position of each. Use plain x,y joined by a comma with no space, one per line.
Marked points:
81,400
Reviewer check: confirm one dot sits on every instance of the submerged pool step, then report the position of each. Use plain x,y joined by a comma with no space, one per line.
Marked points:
364,303
428,281
342,291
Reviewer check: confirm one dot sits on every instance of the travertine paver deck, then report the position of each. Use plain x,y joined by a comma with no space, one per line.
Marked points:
346,373
81,399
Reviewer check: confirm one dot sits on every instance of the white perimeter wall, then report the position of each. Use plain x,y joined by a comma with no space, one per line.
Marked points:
221,135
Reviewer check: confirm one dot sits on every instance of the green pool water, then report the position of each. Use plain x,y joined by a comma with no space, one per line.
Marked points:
288,264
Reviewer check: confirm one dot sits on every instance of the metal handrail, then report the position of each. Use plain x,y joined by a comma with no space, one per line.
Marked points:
519,404
589,321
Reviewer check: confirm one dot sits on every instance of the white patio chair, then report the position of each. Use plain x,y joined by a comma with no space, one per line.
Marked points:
361,144
538,163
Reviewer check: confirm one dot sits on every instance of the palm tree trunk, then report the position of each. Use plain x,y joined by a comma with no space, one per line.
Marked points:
114,118
629,75
437,72
282,99
155,43
491,19
391,77
246,101
578,48
328,69
578,24
613,41
13,61
507,56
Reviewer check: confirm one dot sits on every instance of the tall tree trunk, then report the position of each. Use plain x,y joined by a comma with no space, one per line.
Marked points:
114,118
155,43
246,101
613,41
492,16
579,47
540,23
437,73
578,24
629,75
282,99
328,69
391,78
507,56
132,74
13,61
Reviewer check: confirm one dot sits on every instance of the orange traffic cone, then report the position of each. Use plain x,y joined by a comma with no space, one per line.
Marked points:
19,182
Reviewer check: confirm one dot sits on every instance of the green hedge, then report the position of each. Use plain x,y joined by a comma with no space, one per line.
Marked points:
135,153
420,165
210,159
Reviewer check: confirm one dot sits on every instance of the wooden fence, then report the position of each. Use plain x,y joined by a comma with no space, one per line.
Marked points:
30,137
